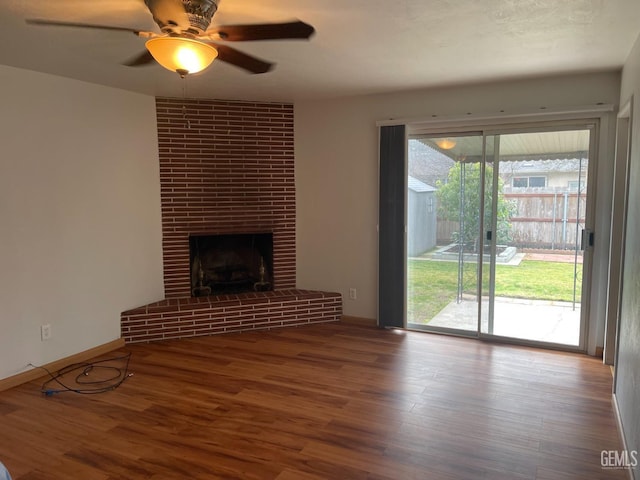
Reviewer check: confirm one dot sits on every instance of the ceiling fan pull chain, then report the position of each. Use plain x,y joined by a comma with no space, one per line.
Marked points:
184,104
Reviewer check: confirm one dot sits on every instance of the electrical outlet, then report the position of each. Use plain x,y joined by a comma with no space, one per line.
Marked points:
353,294
45,332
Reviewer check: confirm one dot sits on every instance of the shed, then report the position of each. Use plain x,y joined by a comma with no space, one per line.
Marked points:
421,217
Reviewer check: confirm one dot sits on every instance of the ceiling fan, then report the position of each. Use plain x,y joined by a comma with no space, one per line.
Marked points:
187,45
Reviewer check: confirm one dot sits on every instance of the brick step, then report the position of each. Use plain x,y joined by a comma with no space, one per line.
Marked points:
200,316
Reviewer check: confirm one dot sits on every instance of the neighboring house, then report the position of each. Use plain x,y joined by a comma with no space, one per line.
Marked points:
551,176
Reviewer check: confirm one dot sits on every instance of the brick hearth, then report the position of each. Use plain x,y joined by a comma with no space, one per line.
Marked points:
189,317
226,167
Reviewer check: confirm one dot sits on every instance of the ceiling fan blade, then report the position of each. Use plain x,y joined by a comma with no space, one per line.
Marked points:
145,58
265,31
242,60
54,23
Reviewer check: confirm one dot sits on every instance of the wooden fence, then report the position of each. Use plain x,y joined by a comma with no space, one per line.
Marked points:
542,220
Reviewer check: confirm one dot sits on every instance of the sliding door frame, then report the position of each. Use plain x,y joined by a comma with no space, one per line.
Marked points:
577,118
592,125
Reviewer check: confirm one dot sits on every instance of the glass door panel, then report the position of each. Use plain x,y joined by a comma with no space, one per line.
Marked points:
539,211
486,307
444,199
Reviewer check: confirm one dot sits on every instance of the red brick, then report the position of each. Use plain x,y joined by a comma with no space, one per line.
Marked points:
226,167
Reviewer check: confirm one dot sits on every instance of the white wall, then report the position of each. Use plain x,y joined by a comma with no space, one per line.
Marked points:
80,231
628,362
336,144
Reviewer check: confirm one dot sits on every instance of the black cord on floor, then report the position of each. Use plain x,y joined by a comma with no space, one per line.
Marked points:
90,377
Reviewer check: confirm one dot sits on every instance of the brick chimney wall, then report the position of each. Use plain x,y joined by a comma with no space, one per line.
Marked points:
225,167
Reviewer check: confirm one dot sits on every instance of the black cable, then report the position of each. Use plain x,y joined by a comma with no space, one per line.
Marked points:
93,386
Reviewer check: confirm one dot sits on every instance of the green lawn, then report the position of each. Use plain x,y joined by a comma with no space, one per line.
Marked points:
431,285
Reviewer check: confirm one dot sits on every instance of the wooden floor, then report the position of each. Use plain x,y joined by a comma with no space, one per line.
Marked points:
322,402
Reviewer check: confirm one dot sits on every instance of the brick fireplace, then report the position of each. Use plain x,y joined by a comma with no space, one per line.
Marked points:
226,167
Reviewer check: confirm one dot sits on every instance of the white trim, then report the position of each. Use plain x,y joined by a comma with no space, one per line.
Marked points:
616,413
497,118
625,111
619,208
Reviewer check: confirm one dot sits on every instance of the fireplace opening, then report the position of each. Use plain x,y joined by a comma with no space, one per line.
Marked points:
232,263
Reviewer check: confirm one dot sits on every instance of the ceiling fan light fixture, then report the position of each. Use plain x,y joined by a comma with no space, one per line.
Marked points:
446,143
181,55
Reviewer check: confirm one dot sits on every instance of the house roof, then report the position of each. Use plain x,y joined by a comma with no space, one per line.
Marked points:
417,186
527,167
360,46
426,164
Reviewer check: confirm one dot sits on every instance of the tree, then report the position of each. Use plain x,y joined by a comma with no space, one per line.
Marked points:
459,201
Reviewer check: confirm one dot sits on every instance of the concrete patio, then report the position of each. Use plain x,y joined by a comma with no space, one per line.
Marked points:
537,320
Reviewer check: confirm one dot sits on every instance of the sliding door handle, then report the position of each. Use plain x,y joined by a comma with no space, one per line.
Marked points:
587,239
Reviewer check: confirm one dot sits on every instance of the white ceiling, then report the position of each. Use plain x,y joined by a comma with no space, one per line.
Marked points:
360,46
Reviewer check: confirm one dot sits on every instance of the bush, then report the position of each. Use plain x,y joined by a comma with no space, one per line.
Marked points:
459,201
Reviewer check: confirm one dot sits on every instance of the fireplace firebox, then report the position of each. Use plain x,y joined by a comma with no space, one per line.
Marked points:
231,263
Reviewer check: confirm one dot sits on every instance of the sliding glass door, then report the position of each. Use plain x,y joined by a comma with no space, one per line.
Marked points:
495,234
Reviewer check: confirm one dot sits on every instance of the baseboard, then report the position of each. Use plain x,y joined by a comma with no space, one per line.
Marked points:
363,322
36,373
616,413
